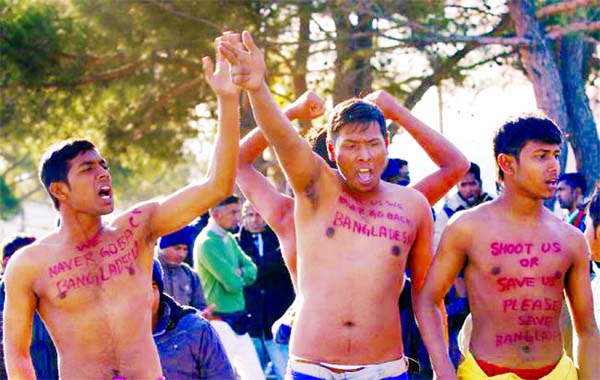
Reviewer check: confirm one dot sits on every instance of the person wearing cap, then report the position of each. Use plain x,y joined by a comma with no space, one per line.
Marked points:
188,346
181,281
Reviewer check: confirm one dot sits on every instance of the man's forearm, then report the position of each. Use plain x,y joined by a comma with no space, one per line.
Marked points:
588,352
255,142
223,164
19,368
276,126
431,327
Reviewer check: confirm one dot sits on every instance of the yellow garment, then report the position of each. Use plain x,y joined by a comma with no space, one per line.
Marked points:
470,370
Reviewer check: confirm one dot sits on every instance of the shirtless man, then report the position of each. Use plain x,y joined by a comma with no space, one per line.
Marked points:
278,209
356,234
516,268
90,280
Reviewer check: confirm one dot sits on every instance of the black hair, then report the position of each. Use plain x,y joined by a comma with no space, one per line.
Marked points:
11,244
54,164
354,110
574,180
516,133
229,200
317,138
476,171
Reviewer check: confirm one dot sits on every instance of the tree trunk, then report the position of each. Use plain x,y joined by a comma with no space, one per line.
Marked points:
301,59
354,48
581,130
540,65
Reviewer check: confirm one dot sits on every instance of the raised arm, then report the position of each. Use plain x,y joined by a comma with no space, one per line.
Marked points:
579,293
183,206
453,165
276,208
443,271
18,315
248,71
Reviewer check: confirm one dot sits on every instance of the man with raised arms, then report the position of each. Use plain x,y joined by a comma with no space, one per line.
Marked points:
516,268
90,280
355,235
278,208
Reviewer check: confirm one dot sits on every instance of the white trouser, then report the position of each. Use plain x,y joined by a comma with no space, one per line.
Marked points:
240,351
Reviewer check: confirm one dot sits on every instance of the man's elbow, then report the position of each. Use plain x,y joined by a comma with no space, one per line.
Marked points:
222,186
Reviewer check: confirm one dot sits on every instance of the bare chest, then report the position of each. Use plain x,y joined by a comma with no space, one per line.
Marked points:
375,234
86,272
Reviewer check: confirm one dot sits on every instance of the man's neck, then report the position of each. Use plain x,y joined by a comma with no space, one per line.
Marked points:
216,228
521,205
79,227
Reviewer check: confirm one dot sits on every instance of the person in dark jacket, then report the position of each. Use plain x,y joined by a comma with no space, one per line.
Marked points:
188,346
268,298
43,352
182,282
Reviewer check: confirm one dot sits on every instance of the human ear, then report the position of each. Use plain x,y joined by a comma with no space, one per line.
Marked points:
59,190
330,150
506,162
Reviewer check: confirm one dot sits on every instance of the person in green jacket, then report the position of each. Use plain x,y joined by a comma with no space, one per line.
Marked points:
224,271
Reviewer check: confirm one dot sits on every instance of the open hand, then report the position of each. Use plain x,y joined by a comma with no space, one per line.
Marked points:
219,76
308,106
247,63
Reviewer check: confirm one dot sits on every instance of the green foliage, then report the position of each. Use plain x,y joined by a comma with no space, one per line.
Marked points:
9,204
127,74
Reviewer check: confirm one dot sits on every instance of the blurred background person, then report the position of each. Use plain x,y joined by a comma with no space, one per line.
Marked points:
188,346
271,294
224,270
182,282
570,193
43,352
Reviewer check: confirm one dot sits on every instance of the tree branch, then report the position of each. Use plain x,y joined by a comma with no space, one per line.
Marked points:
564,7
441,70
581,26
174,92
170,9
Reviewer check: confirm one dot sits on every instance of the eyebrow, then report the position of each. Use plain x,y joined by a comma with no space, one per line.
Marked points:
92,162
544,150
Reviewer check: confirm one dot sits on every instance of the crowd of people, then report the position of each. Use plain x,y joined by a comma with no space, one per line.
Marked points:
351,275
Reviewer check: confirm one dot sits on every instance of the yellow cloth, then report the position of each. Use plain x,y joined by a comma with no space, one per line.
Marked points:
470,370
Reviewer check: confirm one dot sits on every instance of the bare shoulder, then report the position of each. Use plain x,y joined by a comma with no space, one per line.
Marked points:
572,238
405,194
138,216
473,218
28,262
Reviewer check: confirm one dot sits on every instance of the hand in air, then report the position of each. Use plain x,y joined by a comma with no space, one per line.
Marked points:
247,62
308,106
219,77
386,103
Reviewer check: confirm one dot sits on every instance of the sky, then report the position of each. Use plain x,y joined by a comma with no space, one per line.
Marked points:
470,119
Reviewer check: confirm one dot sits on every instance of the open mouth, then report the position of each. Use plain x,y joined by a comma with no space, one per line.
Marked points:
364,175
105,192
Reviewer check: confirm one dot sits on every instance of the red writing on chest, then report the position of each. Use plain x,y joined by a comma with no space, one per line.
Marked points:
357,227
104,272
498,248
536,320
530,337
373,213
509,283
90,243
531,304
